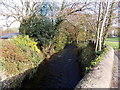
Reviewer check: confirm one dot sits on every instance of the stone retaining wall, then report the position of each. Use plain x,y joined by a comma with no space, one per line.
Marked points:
14,81
100,76
11,82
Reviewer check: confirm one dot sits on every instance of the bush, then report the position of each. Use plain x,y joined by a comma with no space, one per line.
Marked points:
25,42
18,53
30,49
11,52
60,41
98,58
11,55
39,28
87,54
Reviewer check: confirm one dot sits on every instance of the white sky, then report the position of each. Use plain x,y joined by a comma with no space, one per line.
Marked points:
17,24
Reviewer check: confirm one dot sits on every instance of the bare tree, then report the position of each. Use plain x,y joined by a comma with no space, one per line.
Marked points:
105,16
103,24
98,26
109,21
21,10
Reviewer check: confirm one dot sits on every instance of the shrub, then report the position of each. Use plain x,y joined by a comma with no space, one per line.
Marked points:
60,41
10,68
39,28
11,57
28,46
99,58
87,54
11,52
25,42
18,53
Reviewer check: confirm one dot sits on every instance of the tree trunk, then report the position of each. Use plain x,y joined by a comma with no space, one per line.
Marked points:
98,29
103,24
108,24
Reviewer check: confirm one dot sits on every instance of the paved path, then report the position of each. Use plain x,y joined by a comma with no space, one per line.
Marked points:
116,71
62,71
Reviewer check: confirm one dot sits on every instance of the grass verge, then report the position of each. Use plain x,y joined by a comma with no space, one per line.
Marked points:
113,42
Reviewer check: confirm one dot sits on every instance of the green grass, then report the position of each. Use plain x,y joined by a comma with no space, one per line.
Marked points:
115,45
110,41
113,39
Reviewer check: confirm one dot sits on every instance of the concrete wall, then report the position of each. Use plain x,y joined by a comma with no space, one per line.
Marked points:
100,76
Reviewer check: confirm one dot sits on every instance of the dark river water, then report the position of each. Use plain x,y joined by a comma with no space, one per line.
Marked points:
60,71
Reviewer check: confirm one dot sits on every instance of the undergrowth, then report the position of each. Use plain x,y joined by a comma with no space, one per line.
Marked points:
19,54
99,57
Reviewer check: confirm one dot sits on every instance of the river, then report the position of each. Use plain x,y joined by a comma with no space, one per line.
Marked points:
61,71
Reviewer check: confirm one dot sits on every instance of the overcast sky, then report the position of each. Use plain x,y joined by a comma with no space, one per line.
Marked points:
17,24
